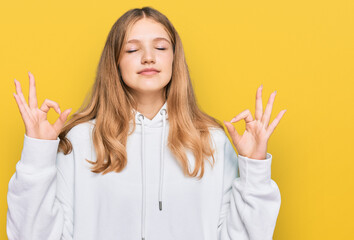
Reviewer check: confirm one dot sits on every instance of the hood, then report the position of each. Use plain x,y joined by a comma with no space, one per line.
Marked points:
158,121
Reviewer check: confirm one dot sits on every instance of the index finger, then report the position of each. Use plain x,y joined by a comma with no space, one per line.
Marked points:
32,96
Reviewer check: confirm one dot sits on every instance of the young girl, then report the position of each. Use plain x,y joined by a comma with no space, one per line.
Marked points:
140,160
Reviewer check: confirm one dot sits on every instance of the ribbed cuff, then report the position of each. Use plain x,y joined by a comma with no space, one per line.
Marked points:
38,154
255,173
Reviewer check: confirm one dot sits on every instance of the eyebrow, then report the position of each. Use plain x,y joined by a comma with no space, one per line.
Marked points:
154,40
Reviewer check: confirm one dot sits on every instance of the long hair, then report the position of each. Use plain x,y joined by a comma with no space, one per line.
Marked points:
189,126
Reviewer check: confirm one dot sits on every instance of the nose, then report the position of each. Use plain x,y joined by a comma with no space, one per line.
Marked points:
148,57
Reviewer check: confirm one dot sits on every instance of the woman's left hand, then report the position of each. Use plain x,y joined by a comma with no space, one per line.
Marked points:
253,142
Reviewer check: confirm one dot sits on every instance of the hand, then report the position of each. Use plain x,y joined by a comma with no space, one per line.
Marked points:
35,120
253,142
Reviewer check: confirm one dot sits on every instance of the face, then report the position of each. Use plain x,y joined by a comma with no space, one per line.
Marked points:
147,46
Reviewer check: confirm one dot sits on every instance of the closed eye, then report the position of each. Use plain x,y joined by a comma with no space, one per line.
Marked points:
130,51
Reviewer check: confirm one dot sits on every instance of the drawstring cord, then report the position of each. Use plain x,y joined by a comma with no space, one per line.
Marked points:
143,216
141,118
163,112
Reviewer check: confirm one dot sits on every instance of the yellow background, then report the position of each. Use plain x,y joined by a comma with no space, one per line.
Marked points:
302,49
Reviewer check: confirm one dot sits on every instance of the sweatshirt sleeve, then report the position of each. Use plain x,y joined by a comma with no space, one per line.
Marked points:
251,199
40,193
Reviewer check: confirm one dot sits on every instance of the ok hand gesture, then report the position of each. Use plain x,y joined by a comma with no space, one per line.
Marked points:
35,119
253,142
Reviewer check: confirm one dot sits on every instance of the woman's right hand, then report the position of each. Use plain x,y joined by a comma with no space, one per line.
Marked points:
35,119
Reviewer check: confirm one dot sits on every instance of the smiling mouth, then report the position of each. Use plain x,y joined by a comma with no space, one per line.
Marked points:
148,73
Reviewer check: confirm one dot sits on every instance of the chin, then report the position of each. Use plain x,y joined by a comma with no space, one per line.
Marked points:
150,89
155,83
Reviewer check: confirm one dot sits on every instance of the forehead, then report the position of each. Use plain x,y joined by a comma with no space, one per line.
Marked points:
146,29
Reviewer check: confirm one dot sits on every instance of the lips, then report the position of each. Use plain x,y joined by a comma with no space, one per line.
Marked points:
148,71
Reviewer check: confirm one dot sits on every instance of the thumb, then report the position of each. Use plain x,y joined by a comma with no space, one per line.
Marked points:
232,131
59,123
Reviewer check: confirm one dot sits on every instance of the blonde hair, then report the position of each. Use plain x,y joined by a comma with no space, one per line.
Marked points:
189,126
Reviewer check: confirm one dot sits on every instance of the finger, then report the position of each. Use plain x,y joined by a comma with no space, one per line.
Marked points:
47,104
21,97
259,104
59,123
21,108
275,122
268,110
232,131
243,115
32,96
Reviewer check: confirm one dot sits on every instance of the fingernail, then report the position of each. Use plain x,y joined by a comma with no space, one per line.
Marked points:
275,92
59,111
232,120
261,86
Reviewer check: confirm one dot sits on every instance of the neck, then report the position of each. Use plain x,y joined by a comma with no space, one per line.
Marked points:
149,105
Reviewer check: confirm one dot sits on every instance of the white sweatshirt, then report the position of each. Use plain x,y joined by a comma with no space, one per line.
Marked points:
53,196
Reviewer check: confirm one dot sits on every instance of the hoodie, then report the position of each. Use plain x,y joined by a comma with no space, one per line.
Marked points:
53,196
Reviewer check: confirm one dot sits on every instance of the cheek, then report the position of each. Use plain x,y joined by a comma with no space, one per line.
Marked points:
167,66
127,68
167,62
125,65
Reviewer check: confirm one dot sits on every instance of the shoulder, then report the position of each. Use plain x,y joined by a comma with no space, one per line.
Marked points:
81,132
218,135
222,142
